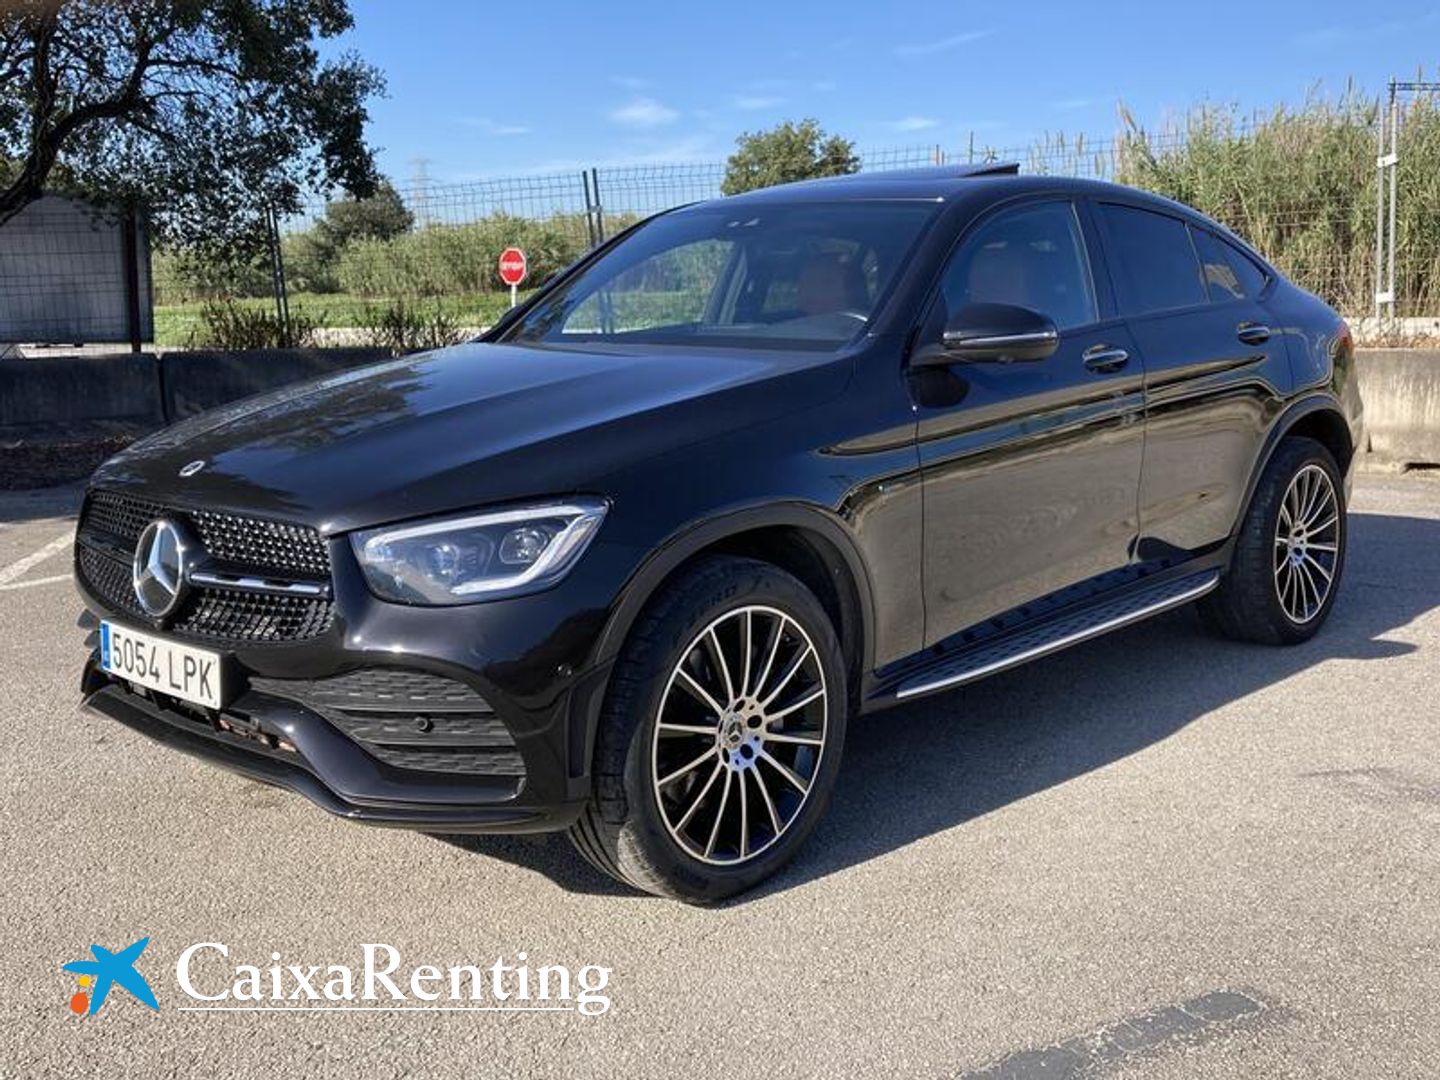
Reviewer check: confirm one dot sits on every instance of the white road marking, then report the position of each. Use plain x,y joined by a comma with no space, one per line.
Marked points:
37,581
20,566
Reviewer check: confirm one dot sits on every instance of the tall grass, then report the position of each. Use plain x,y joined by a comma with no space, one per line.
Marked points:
1299,184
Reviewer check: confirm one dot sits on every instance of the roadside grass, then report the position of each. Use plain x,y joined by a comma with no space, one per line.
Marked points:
180,325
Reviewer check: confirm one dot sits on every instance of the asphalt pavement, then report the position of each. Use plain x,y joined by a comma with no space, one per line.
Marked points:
1156,854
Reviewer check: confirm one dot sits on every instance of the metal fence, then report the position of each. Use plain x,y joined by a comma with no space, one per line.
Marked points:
72,272
1303,187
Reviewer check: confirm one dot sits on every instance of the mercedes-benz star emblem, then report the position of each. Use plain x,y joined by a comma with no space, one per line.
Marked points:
192,468
159,572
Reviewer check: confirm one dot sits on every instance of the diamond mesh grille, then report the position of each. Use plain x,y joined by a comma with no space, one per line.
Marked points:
111,524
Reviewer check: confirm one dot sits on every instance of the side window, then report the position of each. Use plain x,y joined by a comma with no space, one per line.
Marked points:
1229,274
1153,259
1032,257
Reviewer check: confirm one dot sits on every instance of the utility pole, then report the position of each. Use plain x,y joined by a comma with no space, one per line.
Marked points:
1387,174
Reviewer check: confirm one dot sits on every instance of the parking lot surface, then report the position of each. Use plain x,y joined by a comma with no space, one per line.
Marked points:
1155,854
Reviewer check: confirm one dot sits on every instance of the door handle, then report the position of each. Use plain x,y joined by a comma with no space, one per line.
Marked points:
1103,358
1253,333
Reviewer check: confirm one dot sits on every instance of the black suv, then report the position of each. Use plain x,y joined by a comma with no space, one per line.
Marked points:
626,566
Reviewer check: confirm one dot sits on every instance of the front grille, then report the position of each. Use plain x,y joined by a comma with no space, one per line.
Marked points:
409,719
111,524
255,543
264,545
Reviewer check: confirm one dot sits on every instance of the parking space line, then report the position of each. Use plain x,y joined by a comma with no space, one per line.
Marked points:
20,566
37,581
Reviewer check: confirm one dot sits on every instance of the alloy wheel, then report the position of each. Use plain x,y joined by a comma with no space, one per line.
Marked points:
1307,544
739,735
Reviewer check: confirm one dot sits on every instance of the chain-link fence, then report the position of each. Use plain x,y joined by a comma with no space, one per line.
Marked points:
1300,185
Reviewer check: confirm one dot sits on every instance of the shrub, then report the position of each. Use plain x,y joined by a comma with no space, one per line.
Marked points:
226,324
403,327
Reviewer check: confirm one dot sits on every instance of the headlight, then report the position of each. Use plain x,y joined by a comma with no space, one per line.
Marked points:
462,560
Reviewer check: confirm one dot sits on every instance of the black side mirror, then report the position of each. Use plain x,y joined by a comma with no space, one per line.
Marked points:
994,332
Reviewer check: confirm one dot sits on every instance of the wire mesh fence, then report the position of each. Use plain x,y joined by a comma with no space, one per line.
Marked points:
1301,186
71,272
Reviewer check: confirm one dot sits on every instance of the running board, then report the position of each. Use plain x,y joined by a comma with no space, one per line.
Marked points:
1059,634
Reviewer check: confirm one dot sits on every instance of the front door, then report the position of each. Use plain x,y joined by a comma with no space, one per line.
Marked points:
1031,469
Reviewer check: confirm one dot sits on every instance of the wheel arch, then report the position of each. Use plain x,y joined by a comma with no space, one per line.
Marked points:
802,540
1320,417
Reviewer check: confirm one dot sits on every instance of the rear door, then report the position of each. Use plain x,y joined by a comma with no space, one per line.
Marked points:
1215,370
1030,468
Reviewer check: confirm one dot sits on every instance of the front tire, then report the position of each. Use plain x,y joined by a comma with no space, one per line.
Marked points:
720,736
1285,572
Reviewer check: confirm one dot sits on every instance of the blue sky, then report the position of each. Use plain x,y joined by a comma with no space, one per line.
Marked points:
481,89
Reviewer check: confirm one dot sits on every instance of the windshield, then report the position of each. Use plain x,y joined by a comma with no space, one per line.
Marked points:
804,275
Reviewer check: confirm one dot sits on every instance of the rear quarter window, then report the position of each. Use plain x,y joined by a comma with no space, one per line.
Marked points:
1230,274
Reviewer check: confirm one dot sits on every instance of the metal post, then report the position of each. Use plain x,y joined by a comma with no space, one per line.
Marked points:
1394,181
130,249
1380,118
599,208
277,278
589,208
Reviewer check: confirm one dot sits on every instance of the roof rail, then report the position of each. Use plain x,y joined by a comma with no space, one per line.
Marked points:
990,168
944,172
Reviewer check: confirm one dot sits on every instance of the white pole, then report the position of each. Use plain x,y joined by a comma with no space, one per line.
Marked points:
512,295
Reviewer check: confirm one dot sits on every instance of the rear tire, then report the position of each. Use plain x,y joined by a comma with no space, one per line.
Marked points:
720,736
1285,571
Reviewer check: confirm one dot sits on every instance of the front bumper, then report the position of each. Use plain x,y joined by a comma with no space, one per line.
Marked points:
280,742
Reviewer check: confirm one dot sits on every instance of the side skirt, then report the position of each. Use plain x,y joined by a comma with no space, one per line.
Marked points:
1069,627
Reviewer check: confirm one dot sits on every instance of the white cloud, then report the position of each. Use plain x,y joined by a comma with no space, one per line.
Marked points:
914,123
925,48
493,127
757,101
644,112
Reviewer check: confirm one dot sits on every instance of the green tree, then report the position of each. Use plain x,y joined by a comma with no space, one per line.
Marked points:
313,256
381,216
786,153
205,112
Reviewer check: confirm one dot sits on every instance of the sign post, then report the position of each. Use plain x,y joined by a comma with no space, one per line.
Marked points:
512,269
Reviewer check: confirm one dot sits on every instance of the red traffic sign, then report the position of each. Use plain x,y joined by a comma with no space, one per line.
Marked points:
512,266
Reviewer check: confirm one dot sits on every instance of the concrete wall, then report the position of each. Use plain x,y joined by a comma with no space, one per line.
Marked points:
145,391
1401,391
77,390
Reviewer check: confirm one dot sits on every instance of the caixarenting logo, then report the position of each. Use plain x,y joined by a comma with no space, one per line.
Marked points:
108,969
210,981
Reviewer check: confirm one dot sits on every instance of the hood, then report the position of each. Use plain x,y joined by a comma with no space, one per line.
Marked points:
467,426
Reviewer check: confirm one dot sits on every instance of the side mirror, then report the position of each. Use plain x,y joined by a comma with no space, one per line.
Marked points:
995,332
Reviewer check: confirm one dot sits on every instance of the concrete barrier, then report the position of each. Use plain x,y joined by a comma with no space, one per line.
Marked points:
195,381
1401,391
74,391
145,391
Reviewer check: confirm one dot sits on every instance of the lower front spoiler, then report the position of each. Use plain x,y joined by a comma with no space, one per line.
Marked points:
292,771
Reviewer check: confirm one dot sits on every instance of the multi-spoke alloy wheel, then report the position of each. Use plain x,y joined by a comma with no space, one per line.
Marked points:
720,737
1307,543
739,735
1288,553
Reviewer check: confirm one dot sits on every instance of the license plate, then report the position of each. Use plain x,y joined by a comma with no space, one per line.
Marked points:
153,662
